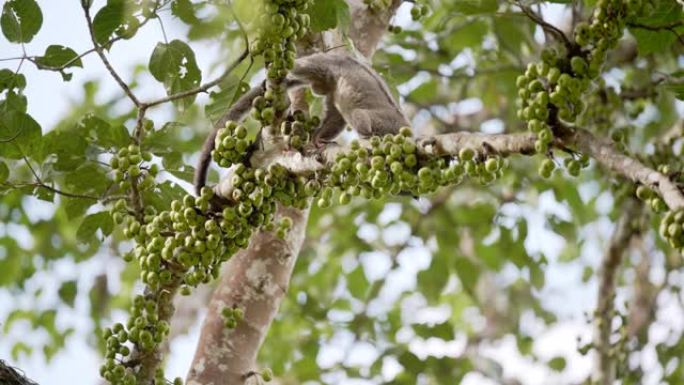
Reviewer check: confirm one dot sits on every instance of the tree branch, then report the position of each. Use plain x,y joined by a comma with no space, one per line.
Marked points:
255,280
625,229
105,61
201,88
450,144
606,155
547,27
39,183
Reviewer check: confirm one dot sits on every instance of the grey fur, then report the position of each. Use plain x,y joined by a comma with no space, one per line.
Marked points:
355,95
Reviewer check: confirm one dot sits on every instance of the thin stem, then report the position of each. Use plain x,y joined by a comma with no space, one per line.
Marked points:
105,61
672,27
39,183
161,25
547,27
202,88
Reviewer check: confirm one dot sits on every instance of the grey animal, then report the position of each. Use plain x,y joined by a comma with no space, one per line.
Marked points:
354,94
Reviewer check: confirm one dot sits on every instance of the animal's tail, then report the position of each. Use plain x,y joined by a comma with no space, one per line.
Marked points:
236,112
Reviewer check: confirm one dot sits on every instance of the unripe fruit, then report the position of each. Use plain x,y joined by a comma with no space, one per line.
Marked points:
466,153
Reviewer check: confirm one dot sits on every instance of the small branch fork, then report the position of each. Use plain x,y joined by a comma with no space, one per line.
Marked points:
143,106
547,27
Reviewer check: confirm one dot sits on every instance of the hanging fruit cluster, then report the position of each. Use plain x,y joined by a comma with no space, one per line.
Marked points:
297,130
281,24
672,229
553,89
128,168
392,166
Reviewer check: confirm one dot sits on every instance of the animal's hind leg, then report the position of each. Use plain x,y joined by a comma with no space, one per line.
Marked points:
362,123
333,123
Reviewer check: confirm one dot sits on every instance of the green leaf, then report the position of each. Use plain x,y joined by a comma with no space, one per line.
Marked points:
432,281
67,292
174,65
424,93
13,102
9,80
221,100
537,277
103,134
357,284
187,173
163,193
91,223
108,19
647,31
10,263
69,148
444,330
21,20
76,207
57,56
411,363
328,14
678,90
4,172
18,315
514,33
649,42
21,134
469,35
468,273
19,348
557,364
90,178
184,10
473,7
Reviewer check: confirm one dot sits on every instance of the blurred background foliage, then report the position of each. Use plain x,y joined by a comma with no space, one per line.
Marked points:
474,283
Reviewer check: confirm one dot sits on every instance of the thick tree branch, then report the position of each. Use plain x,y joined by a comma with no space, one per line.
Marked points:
11,376
255,280
643,303
607,156
599,149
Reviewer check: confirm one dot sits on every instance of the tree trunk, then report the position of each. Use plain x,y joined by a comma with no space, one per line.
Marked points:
257,278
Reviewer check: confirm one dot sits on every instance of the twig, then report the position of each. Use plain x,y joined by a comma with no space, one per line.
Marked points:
161,25
105,61
12,138
202,88
33,58
672,27
549,28
39,183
